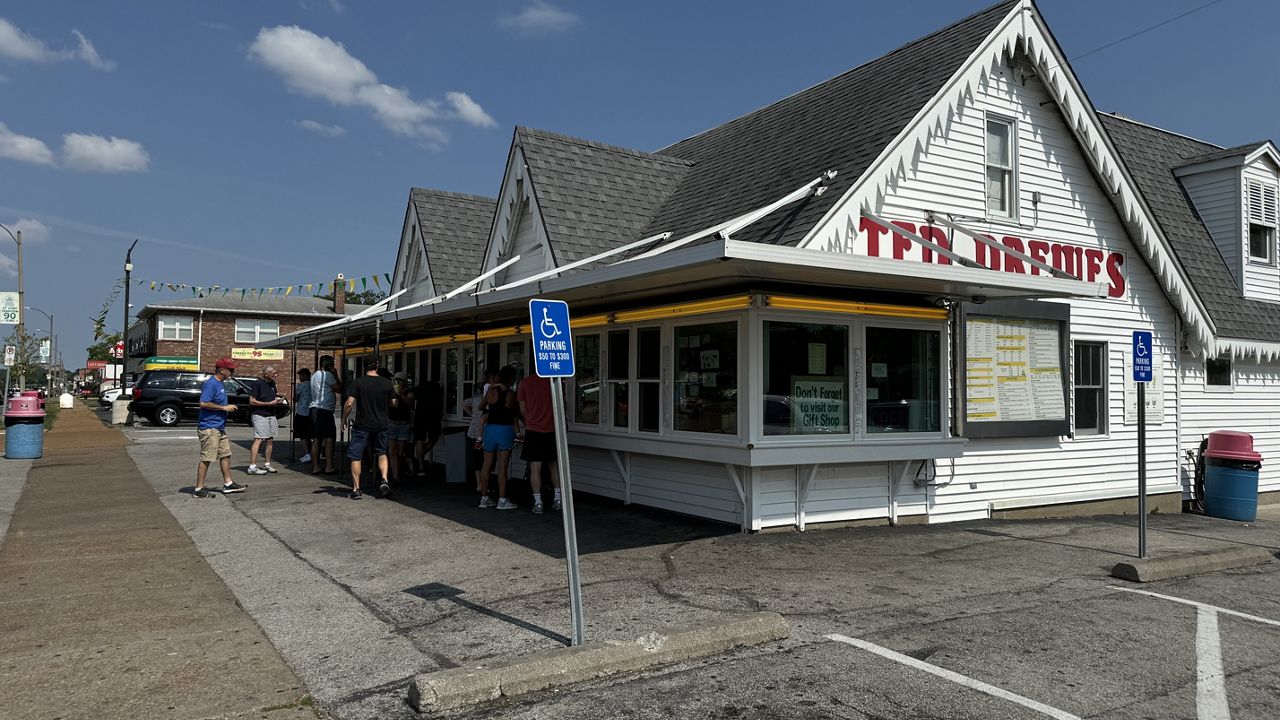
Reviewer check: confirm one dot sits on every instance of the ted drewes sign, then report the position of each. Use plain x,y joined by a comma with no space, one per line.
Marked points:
552,344
8,308
1141,357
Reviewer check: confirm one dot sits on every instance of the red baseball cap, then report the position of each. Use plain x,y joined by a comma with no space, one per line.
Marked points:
225,363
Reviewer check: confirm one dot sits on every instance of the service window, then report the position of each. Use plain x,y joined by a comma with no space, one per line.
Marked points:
904,380
174,327
252,330
619,377
648,379
1217,372
806,378
1090,406
451,381
586,380
706,378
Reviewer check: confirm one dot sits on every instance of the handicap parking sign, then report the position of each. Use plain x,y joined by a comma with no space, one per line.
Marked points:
1142,353
552,343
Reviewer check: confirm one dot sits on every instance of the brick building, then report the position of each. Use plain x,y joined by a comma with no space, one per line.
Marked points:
201,330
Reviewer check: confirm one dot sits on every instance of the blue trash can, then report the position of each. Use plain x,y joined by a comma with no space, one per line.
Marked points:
1231,476
24,428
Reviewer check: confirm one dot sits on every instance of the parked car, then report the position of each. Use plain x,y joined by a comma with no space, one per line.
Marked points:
167,396
108,396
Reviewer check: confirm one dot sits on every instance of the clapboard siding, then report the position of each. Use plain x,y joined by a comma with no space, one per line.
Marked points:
594,471
1261,280
1216,195
947,177
1251,404
687,486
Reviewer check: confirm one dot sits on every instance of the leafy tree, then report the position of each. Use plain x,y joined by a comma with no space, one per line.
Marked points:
27,358
364,297
102,350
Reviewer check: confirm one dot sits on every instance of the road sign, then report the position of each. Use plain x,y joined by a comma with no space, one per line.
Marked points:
552,343
10,354
117,351
44,350
95,364
9,305
1142,355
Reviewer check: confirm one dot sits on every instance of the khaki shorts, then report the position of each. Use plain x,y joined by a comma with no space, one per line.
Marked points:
214,445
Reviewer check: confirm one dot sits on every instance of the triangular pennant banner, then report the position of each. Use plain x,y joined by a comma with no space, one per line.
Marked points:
375,282
364,283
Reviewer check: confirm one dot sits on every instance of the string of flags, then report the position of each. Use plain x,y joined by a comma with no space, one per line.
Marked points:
324,287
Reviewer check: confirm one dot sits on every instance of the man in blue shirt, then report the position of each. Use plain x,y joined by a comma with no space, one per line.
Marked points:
212,429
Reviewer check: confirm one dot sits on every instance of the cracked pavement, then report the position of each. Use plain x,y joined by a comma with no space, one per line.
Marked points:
359,596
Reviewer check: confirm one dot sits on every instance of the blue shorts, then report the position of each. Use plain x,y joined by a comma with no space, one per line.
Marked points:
360,438
499,438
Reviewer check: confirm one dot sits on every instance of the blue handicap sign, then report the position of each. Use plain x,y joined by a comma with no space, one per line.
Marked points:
1142,356
552,344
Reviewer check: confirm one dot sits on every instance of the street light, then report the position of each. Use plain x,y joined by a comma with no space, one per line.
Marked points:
22,379
53,339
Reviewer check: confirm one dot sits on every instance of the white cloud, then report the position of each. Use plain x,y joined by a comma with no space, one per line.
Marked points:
540,17
332,131
33,231
23,148
18,45
468,110
321,67
8,266
94,153
337,6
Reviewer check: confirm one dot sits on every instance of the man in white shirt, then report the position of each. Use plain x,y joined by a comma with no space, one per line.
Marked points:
324,402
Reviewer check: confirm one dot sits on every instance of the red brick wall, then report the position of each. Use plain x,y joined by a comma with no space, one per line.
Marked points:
218,338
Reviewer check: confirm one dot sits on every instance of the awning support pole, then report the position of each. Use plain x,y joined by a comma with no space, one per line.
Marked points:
929,244
293,420
980,237
342,432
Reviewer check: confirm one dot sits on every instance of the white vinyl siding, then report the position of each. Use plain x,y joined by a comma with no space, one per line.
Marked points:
1253,407
1261,275
252,330
1216,196
517,228
174,327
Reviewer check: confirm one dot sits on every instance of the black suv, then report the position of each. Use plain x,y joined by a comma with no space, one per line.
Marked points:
167,396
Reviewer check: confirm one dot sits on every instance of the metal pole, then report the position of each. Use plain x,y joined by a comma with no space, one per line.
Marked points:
22,302
1142,470
342,383
124,331
293,378
570,528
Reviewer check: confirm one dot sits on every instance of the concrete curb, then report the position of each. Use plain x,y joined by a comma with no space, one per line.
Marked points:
1173,566
459,687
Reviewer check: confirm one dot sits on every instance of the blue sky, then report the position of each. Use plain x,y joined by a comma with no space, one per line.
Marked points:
254,144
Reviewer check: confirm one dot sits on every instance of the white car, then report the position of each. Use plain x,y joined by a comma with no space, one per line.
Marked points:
109,396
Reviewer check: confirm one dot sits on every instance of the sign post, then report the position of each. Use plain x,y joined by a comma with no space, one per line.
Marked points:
10,356
1142,365
553,358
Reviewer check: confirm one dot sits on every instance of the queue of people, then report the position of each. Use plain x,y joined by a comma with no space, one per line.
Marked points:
390,424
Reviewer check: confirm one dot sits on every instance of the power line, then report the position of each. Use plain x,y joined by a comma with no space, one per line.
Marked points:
1145,30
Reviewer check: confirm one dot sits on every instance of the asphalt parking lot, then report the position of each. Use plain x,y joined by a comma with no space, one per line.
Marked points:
994,619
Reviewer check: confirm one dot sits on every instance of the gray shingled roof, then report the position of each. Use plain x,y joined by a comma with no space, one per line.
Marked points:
841,124
1151,155
456,229
1245,149
594,197
270,305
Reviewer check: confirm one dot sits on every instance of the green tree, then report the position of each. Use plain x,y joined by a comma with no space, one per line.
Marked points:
26,360
364,297
102,350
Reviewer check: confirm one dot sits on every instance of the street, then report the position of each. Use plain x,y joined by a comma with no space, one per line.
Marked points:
985,619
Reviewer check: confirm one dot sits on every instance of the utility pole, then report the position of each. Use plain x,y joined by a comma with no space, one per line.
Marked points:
17,238
124,331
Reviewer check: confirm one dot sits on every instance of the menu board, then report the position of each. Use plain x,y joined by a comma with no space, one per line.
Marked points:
1014,372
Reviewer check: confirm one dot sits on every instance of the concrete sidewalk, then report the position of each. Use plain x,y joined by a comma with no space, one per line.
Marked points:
108,610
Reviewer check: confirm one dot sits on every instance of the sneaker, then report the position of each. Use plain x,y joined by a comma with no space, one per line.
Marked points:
355,495
557,505
233,487
505,504
304,459
200,493
385,489
255,470
537,508
487,502
269,469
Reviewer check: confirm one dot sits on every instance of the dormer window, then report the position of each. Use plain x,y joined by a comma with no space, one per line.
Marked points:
1262,222
1001,176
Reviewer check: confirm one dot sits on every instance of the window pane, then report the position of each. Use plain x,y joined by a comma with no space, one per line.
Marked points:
492,356
903,378
1218,371
706,378
650,413
268,329
451,381
1090,407
1261,238
621,405
998,190
469,386
998,143
1087,415
435,364
648,353
620,355
586,382
806,380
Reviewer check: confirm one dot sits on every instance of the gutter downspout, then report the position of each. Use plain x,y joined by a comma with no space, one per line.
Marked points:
200,341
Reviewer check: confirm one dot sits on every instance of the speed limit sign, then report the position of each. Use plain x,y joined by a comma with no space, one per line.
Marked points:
9,308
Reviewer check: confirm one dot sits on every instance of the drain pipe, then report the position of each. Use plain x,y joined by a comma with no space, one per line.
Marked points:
200,341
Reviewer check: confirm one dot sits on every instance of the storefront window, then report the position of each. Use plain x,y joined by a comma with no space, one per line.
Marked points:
619,375
706,378
586,382
649,375
515,358
806,378
903,380
451,381
469,372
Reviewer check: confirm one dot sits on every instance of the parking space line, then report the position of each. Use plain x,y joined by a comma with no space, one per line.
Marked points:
955,677
1211,689
1193,603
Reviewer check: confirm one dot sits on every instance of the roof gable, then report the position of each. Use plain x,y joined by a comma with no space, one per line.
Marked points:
455,228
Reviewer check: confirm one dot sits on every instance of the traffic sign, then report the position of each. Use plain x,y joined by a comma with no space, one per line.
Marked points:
10,355
552,343
117,351
44,350
9,306
1142,355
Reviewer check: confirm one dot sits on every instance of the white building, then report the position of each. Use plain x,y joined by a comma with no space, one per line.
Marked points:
906,293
